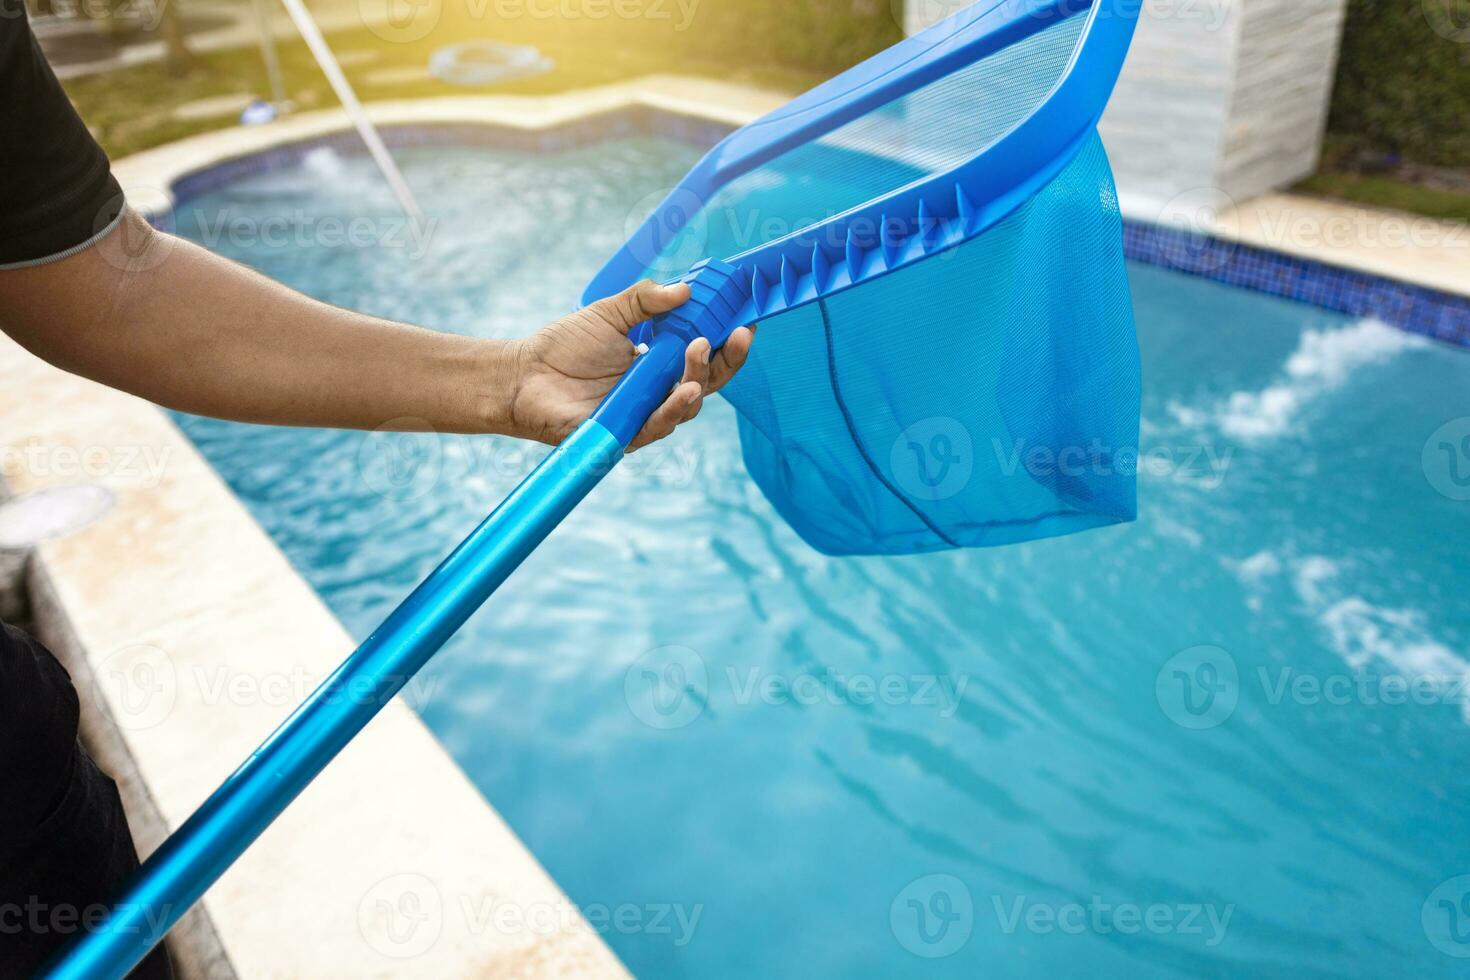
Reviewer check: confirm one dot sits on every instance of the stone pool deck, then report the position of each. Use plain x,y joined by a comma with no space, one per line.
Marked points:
191,637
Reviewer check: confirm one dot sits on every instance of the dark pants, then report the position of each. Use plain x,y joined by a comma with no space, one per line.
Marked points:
64,843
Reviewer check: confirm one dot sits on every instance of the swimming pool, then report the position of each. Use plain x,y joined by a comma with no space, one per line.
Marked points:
1187,746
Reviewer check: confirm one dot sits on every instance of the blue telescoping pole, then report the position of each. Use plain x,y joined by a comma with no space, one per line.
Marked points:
176,875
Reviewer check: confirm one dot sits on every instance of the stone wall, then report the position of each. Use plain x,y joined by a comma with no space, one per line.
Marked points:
1220,100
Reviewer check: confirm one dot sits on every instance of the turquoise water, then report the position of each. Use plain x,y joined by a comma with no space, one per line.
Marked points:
1183,747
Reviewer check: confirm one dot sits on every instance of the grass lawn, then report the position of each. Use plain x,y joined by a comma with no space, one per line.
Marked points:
1387,191
1395,186
134,108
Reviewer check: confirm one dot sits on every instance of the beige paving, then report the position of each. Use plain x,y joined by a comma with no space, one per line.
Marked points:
1410,248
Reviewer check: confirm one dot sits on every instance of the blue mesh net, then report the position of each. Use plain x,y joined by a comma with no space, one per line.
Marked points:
985,395
931,130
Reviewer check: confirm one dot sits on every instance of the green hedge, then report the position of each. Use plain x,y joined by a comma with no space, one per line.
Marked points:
1403,80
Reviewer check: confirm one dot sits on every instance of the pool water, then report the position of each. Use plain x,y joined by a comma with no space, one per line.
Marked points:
1226,740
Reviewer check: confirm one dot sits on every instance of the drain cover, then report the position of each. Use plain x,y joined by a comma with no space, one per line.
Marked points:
51,513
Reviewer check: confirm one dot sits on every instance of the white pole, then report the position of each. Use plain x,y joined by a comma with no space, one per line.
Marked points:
268,54
323,54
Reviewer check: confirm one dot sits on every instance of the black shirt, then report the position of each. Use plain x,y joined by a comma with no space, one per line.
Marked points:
65,849
58,193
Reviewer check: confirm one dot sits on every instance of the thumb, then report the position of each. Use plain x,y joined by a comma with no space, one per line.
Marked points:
638,302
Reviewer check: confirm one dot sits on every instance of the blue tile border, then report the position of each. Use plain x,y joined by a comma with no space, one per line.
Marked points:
1417,309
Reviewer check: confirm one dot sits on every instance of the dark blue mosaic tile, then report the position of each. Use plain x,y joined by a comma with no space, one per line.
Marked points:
1409,307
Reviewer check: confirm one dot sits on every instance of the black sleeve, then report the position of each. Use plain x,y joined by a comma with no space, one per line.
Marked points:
57,192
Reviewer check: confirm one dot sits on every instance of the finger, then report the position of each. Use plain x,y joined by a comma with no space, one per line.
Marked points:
696,362
730,358
668,415
640,301
693,410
